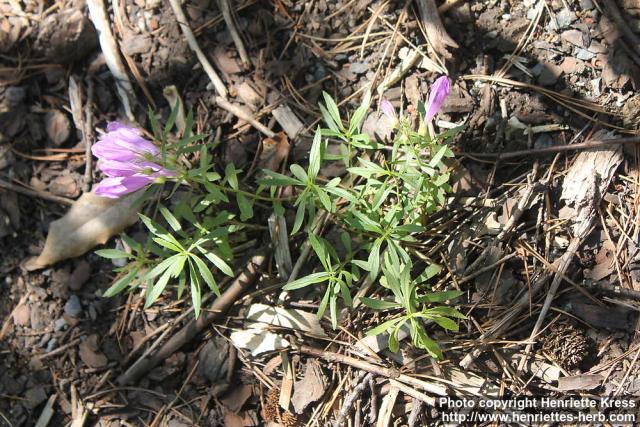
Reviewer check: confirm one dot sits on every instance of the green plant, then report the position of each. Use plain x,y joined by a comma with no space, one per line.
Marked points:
380,207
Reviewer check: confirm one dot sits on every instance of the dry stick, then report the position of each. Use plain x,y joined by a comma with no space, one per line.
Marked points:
362,381
239,113
87,133
581,233
596,143
36,193
195,326
98,15
390,373
193,44
416,410
231,26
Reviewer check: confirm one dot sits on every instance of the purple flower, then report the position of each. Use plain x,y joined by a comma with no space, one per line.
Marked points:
123,143
114,188
439,92
128,160
388,110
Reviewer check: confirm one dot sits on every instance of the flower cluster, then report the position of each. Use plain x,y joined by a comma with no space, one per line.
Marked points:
439,92
129,161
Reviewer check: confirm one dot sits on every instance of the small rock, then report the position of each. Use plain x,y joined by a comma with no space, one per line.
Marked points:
574,37
73,307
35,396
59,324
359,67
584,54
549,74
571,65
22,315
586,5
543,141
65,186
58,126
52,344
80,275
93,313
90,354
565,18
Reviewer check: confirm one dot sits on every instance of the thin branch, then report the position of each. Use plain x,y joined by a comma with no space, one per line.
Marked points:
594,144
193,44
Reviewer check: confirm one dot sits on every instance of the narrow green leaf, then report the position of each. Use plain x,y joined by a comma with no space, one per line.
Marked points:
377,304
315,155
159,286
332,108
112,253
298,172
441,296
446,323
120,284
205,273
312,278
244,204
231,175
217,261
194,283
297,223
384,326
170,218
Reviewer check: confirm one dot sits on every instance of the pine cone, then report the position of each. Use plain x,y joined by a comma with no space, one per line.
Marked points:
566,345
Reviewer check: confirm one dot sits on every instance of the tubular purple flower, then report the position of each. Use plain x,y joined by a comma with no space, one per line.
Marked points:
116,187
388,110
123,143
126,158
439,92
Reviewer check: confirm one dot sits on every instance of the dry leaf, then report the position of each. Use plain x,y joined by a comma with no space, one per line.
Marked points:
286,317
91,221
310,388
274,151
258,341
58,126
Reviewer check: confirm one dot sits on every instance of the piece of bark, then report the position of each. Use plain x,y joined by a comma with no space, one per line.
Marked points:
438,37
580,382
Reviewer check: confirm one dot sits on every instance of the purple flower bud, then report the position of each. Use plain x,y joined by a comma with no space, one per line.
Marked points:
388,110
116,187
439,92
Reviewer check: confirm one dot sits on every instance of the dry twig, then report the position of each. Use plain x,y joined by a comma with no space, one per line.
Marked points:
193,44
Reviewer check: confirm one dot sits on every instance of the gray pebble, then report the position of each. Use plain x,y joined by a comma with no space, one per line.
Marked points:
584,54
565,18
543,141
73,307
320,72
59,324
52,344
359,67
586,4
93,313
